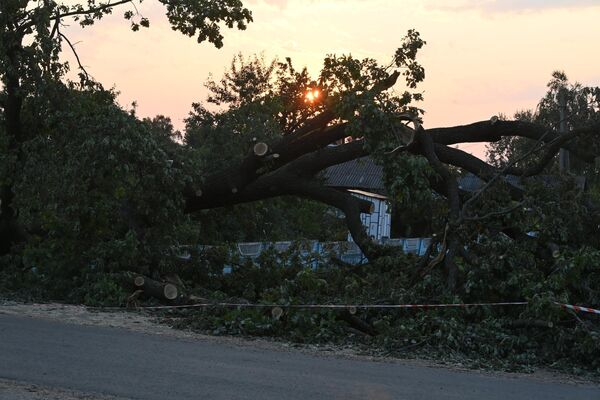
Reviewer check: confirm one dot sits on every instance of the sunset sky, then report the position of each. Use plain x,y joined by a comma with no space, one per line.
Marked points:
482,57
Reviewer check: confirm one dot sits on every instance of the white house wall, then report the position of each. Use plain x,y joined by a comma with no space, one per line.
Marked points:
378,223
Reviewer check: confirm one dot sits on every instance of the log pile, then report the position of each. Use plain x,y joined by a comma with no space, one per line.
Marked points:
167,291
156,289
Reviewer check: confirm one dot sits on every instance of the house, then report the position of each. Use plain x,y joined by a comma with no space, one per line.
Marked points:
364,179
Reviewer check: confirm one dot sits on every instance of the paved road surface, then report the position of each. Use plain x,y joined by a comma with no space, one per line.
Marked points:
132,365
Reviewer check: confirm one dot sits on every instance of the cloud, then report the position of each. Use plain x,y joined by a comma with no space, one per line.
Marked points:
503,6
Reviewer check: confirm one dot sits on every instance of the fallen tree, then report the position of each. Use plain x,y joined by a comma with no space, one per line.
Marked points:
111,210
304,153
89,190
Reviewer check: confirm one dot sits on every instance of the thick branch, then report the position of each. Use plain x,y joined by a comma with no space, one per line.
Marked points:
428,149
464,160
293,146
310,164
350,205
490,182
270,185
474,165
551,151
312,136
234,179
486,131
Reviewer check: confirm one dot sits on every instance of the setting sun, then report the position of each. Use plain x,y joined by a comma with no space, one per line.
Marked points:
312,95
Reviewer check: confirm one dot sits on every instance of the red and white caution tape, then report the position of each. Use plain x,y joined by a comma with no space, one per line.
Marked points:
335,306
579,308
356,306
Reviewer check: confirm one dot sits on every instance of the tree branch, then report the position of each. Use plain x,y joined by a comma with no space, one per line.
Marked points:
552,150
471,200
350,205
312,136
464,160
81,67
310,164
494,213
428,149
489,131
29,24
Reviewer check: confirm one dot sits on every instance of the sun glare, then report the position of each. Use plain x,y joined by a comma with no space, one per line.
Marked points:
312,95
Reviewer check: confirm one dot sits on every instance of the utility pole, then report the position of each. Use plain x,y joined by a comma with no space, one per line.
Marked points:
563,161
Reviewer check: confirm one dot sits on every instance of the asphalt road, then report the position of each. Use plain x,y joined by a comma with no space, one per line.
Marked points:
110,361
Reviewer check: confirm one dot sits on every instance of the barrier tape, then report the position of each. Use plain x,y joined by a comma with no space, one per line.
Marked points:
579,308
331,306
351,307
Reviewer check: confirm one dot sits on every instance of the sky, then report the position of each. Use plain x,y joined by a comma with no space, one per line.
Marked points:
482,57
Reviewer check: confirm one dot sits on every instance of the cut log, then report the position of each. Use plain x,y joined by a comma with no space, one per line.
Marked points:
159,290
261,149
139,281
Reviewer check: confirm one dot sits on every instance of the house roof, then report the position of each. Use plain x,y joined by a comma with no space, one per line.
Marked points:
360,174
364,175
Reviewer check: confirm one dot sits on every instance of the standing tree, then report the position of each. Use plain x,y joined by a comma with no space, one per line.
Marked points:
31,40
582,110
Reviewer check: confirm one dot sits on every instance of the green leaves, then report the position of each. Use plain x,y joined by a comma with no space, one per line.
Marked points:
582,110
102,187
406,58
202,18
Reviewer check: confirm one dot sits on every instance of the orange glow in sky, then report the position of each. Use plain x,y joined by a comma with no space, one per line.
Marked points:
482,58
312,95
